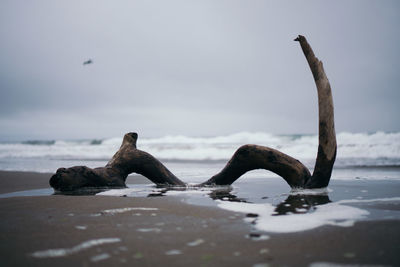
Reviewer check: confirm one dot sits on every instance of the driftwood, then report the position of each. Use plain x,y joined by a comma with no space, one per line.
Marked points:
327,137
126,160
129,159
251,157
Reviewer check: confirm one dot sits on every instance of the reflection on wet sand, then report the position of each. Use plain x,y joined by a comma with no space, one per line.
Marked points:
297,204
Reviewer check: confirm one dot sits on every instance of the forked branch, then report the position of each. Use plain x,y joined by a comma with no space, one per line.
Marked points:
126,160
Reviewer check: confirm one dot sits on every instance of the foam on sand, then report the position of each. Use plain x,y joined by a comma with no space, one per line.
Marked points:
123,210
100,257
328,214
334,213
143,191
195,242
60,252
173,252
148,230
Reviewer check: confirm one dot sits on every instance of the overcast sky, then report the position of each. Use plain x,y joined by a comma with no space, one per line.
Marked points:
197,68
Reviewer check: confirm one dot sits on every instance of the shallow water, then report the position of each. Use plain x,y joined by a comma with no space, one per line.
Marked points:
270,206
29,193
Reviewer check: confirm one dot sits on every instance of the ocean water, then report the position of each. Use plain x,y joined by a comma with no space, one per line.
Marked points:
365,182
375,155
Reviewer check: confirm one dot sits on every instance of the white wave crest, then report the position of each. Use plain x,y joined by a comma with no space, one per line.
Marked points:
353,148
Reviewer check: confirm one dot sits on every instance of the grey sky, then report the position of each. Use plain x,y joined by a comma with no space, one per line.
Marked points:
196,68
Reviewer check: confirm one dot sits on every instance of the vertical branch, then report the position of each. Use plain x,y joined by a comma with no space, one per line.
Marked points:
327,138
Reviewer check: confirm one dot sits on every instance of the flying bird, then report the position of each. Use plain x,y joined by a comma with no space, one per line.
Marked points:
88,62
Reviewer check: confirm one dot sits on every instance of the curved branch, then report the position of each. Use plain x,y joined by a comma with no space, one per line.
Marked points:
327,137
126,160
252,157
130,159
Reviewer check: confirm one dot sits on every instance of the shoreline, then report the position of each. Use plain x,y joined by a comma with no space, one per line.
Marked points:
12,181
149,231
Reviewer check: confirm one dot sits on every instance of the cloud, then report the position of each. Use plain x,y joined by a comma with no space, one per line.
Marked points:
198,68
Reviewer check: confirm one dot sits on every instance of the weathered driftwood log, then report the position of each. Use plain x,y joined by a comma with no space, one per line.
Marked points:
129,159
81,177
126,160
251,157
327,137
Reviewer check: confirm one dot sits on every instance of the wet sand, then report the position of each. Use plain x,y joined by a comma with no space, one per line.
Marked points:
157,231
11,181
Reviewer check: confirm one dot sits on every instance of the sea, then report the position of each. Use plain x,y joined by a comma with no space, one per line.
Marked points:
365,183
195,159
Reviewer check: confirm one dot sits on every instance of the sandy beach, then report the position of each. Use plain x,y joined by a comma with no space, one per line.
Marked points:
152,231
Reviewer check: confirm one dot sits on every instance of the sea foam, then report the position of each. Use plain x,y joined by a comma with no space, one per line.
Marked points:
60,252
376,145
354,149
333,213
328,214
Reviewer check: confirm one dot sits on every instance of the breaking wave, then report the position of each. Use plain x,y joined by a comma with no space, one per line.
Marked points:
354,149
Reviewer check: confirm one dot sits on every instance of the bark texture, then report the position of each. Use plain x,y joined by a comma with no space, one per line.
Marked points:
126,160
327,137
129,159
252,157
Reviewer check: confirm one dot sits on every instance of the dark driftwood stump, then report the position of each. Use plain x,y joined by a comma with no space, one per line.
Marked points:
129,159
